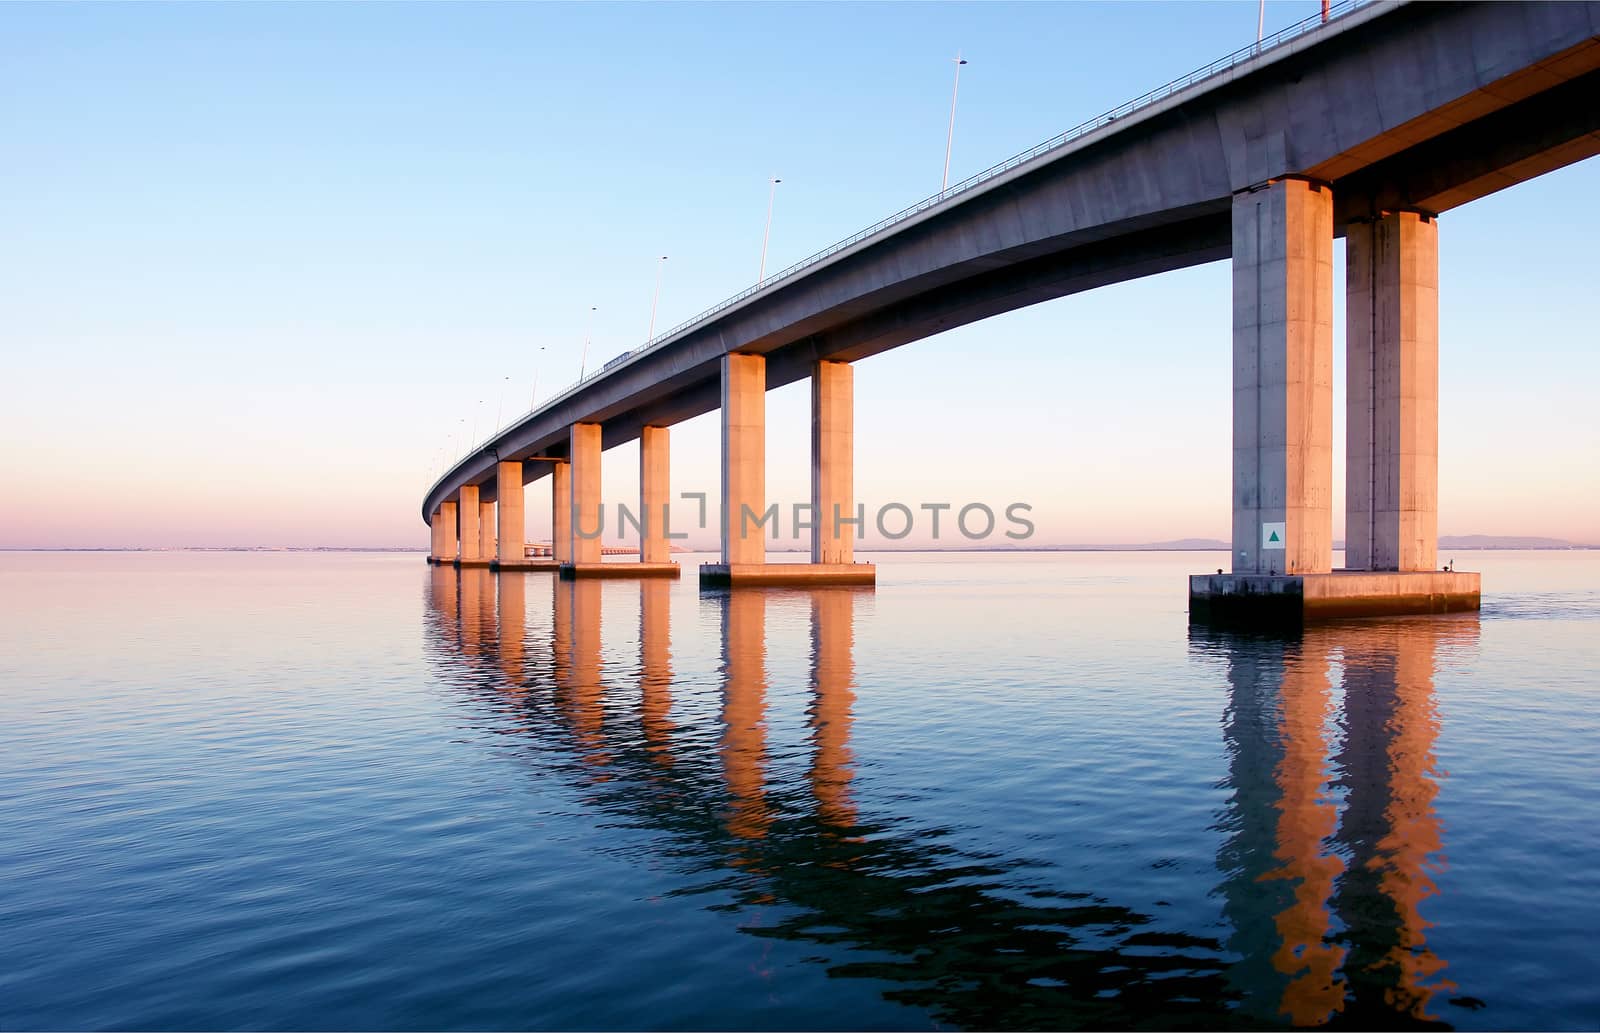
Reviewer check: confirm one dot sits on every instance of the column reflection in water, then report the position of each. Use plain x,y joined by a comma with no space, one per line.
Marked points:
1325,905
443,589
655,667
579,692
1391,829
744,705
880,897
832,701
512,590
477,609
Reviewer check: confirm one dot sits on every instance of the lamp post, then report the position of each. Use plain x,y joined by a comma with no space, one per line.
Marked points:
660,267
477,411
766,235
500,406
588,327
950,137
533,401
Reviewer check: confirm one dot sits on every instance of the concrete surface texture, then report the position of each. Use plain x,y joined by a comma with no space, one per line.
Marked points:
1283,378
588,512
468,515
1264,598
655,493
832,462
744,458
447,536
1392,393
561,512
511,531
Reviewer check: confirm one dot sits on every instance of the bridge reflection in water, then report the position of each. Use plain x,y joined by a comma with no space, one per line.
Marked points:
1329,836
1333,837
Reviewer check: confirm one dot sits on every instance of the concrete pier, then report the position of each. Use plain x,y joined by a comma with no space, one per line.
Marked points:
1282,419
1392,402
470,517
561,512
435,536
1283,379
744,554
585,552
1289,599
447,532
511,529
655,469
486,533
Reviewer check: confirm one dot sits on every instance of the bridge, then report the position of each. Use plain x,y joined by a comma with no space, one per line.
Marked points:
1370,126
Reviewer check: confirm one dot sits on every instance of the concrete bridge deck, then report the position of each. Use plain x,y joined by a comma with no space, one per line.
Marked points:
1389,107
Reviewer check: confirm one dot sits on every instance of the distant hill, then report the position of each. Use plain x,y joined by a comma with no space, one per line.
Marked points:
1496,541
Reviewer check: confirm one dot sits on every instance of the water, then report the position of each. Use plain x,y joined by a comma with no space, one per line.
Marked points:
351,791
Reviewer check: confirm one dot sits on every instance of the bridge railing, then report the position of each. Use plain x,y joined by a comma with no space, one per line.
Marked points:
1155,96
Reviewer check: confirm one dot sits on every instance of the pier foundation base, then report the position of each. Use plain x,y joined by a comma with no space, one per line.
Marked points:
721,575
573,571
1276,599
545,564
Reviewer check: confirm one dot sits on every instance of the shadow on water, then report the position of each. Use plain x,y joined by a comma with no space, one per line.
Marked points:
1328,833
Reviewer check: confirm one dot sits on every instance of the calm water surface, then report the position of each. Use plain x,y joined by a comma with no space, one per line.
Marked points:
351,791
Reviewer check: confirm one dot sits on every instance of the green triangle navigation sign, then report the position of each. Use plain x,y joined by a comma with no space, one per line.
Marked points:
1273,535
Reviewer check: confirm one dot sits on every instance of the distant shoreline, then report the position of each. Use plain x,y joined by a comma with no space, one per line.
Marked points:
1476,547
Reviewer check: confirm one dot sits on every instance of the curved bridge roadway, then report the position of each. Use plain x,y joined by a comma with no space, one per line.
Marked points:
1367,126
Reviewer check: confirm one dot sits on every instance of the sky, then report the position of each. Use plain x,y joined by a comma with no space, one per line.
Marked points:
265,268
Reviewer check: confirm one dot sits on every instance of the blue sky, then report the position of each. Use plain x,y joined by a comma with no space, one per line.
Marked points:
262,261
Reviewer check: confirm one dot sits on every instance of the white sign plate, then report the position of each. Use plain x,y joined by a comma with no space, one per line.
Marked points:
1272,536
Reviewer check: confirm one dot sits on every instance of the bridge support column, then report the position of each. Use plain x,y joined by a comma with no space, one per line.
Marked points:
511,531
653,477
447,532
435,536
470,517
1283,417
745,519
1283,379
1392,397
587,509
486,535
561,512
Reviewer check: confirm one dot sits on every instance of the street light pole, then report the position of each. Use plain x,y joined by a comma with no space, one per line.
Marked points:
660,267
533,402
500,406
588,327
950,137
772,194
477,411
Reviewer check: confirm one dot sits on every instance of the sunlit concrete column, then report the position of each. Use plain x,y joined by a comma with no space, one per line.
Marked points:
832,462
435,536
561,512
511,529
1392,393
447,532
654,476
1283,378
587,515
469,516
486,534
744,457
